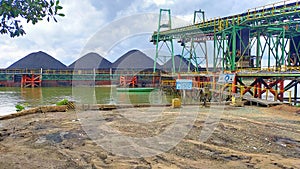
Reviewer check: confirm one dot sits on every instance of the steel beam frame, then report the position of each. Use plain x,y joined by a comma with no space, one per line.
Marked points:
166,42
271,27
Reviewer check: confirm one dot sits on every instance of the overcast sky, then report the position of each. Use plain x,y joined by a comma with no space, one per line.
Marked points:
87,21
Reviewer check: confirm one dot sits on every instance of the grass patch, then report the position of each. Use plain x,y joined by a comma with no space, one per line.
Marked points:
62,102
19,107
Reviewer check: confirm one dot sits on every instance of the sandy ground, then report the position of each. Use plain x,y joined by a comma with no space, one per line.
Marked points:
247,137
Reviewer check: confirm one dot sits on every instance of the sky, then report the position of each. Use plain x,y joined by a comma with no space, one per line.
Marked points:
109,27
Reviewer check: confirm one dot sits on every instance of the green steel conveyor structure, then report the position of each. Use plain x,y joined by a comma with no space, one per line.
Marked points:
240,41
261,47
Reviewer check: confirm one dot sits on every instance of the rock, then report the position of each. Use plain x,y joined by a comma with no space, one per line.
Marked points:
41,140
54,137
69,135
102,156
40,127
142,167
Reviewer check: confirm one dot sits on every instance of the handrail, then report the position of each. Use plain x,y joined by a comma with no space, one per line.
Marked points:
75,72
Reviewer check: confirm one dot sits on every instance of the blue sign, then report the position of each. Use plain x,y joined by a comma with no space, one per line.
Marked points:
226,78
184,84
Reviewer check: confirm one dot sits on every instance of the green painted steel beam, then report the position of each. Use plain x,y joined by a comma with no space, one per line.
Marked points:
165,40
277,22
287,14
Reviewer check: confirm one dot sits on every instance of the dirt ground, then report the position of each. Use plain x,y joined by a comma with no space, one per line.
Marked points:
243,137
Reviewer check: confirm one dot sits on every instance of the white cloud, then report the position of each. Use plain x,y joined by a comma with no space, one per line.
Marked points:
163,2
66,39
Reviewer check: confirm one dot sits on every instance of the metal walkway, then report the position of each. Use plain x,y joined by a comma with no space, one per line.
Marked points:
263,102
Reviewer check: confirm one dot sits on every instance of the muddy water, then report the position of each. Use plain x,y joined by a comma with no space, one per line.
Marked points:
32,97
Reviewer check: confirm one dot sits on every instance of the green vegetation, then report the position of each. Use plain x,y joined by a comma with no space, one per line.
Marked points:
62,102
11,11
19,107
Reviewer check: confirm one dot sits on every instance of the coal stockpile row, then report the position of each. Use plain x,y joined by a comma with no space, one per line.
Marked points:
91,60
180,62
133,60
38,60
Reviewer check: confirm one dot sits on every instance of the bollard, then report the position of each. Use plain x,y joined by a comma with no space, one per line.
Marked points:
233,100
176,103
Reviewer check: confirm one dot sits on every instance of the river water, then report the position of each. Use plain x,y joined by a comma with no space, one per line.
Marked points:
32,97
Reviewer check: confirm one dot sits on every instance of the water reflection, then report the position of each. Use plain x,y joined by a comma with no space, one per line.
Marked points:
32,94
32,97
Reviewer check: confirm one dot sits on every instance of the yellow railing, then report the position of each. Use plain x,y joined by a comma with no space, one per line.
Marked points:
270,69
168,82
70,71
270,9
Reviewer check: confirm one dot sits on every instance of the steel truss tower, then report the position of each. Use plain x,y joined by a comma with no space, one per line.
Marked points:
164,23
194,48
260,46
268,33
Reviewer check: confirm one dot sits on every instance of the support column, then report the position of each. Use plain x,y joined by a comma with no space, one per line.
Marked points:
269,52
258,45
234,85
281,88
233,55
259,88
296,92
282,48
215,52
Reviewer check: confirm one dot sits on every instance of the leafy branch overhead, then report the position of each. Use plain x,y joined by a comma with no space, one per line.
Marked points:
12,11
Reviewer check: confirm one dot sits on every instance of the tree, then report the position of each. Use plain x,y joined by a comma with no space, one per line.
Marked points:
12,11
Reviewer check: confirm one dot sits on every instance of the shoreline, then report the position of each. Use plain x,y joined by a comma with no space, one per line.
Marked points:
100,107
40,109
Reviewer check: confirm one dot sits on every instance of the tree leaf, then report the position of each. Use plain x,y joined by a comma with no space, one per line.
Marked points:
59,7
50,10
31,10
52,3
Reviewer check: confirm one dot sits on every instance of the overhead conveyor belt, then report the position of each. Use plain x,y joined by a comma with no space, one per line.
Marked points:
278,14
